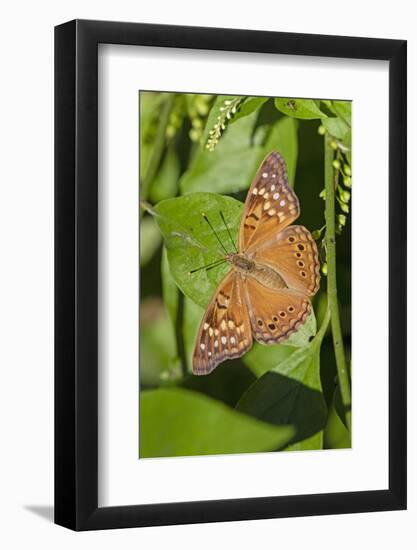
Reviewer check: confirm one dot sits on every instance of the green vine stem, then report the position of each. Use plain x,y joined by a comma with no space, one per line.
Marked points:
331,178
158,147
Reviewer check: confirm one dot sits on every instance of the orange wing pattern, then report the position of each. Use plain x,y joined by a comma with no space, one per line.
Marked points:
293,253
270,205
275,314
225,331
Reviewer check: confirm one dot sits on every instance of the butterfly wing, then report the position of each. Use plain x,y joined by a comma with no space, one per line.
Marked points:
293,253
270,205
274,314
225,331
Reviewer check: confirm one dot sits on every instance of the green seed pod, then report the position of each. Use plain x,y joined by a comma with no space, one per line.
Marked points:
347,180
336,164
321,130
195,134
323,194
175,119
344,195
316,234
197,123
324,268
347,170
170,131
344,207
334,145
341,218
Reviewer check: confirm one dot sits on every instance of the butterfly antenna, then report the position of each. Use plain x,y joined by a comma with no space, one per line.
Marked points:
208,266
214,231
228,232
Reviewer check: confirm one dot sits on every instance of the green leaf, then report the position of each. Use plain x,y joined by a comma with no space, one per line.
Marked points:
150,239
305,109
261,359
191,243
283,138
249,105
291,394
179,422
165,184
336,127
226,383
343,109
230,167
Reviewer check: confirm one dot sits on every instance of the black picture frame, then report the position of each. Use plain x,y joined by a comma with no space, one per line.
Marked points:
76,272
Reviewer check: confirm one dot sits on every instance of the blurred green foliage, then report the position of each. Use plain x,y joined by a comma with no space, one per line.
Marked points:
198,154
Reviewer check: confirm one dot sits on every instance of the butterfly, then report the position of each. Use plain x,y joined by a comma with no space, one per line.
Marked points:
274,273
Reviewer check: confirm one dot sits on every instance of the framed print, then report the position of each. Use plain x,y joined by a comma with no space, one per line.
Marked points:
230,275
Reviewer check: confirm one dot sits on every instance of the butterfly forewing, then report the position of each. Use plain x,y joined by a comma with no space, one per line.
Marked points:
274,314
293,253
270,205
225,331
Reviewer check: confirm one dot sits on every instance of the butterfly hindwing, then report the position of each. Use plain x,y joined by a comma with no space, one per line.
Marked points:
274,314
293,253
225,331
270,205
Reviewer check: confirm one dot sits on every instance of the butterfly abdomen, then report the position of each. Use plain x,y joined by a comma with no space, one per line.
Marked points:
263,273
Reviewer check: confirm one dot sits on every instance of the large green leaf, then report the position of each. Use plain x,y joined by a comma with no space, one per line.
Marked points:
343,109
283,138
226,383
191,243
232,164
291,394
306,109
179,422
249,105
337,127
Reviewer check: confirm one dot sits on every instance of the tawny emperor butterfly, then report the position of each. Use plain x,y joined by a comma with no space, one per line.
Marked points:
266,294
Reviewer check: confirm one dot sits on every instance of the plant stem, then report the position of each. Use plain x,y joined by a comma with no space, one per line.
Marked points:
331,178
158,147
318,338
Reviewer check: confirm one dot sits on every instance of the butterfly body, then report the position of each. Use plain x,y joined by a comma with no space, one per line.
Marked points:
249,267
266,294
